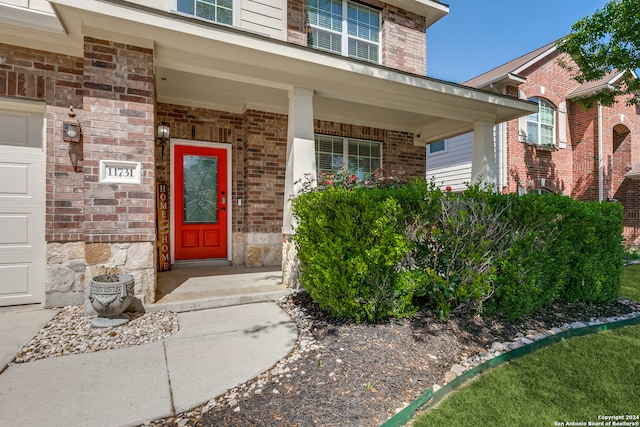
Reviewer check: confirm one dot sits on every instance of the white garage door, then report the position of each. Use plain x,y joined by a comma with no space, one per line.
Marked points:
22,203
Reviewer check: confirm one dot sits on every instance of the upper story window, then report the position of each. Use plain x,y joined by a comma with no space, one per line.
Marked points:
437,147
359,156
213,10
541,126
343,27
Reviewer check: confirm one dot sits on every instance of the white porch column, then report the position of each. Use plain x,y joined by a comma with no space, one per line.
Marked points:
301,158
483,163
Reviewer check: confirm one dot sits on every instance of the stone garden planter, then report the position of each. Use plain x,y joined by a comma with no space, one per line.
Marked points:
110,295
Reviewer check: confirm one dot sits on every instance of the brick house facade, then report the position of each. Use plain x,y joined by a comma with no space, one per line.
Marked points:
258,98
571,165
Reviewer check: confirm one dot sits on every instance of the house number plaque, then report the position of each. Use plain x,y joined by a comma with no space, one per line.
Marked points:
117,171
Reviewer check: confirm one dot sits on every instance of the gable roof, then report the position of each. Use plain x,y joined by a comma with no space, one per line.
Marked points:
511,68
590,87
508,73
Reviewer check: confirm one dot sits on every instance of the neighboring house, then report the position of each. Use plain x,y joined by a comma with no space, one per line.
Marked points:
254,96
586,154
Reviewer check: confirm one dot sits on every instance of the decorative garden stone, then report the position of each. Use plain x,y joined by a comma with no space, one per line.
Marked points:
110,295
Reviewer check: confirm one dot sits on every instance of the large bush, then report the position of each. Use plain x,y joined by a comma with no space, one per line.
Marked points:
349,242
456,247
368,253
568,251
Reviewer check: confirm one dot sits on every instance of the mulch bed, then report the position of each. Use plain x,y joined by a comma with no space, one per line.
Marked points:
361,374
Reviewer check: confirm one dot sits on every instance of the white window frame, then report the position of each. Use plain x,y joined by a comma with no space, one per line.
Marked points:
345,152
234,13
539,124
439,152
344,33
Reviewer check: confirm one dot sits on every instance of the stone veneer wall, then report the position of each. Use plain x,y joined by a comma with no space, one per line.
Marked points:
71,265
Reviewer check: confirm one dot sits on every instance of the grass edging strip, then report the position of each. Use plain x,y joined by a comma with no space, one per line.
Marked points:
430,398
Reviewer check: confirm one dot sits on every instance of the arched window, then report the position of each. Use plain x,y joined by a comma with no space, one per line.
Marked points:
541,126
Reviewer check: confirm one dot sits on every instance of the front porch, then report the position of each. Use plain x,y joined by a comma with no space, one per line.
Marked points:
199,287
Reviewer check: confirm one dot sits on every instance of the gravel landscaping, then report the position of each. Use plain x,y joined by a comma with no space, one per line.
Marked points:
70,332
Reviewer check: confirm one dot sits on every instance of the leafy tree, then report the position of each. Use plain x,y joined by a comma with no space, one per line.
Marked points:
605,42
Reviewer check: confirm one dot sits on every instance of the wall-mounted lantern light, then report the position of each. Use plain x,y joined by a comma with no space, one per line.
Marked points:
71,131
163,135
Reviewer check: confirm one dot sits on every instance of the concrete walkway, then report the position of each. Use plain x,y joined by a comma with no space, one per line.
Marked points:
215,350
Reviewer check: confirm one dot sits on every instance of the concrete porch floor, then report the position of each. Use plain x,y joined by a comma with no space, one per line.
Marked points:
188,288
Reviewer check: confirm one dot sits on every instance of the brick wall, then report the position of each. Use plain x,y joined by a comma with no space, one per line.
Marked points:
403,33
259,142
265,137
404,40
118,124
206,125
56,80
297,22
574,169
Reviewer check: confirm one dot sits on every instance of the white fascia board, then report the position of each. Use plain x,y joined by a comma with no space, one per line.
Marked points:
535,60
30,18
433,11
589,91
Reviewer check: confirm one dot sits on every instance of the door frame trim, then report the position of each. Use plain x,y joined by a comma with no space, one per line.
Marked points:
205,144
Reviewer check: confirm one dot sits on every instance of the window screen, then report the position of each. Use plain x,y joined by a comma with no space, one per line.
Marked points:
345,28
213,10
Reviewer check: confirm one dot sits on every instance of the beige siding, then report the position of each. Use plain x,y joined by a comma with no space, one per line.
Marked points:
265,17
453,166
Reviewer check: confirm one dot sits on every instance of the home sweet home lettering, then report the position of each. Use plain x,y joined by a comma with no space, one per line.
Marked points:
164,255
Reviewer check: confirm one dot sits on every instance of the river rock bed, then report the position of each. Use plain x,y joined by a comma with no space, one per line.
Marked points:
70,332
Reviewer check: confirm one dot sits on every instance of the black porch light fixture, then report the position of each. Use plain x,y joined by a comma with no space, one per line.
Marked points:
71,131
163,135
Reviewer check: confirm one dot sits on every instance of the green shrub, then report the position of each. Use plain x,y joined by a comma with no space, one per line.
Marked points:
349,242
593,232
365,252
570,251
529,274
456,248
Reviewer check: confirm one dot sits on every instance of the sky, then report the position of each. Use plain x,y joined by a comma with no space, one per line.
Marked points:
480,35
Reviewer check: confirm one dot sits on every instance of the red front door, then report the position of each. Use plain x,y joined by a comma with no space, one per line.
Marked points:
200,202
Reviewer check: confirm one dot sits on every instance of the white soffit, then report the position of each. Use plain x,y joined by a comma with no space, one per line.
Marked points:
191,47
30,18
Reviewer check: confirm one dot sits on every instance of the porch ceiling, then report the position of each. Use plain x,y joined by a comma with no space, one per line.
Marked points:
212,66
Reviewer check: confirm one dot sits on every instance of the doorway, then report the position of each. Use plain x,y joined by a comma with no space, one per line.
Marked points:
201,195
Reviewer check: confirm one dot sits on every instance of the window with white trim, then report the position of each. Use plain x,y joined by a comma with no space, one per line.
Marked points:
540,191
541,126
437,147
213,10
345,28
360,156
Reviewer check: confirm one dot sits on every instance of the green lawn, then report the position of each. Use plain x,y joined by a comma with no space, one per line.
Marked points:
630,282
574,380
